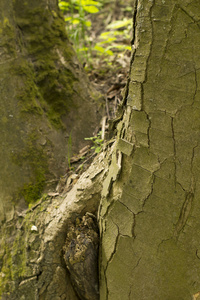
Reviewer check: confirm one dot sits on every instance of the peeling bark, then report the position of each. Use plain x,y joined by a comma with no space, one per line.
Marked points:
145,186
158,181
32,256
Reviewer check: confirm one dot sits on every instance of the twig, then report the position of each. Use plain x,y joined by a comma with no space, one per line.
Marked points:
103,122
107,108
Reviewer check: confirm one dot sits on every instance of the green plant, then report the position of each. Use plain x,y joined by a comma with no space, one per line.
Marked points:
76,16
109,39
109,45
97,141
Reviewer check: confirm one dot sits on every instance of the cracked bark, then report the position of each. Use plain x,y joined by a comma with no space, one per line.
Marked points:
33,267
159,181
149,208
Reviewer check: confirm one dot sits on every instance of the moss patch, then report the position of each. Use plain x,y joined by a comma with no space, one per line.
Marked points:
7,38
48,79
28,93
19,251
34,156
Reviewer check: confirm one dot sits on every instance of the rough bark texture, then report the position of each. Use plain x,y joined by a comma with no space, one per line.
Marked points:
149,213
148,181
81,256
45,98
31,254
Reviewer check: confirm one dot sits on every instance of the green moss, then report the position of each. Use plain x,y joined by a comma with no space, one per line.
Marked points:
55,119
34,156
17,252
7,37
18,258
28,94
32,190
6,285
48,83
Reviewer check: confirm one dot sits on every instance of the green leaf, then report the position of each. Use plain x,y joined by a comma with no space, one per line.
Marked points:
121,47
103,50
88,23
91,9
90,2
119,24
99,48
98,149
117,32
109,52
84,49
105,34
75,21
68,19
108,40
63,5
89,139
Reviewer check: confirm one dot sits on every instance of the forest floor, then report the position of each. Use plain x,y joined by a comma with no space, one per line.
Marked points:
107,69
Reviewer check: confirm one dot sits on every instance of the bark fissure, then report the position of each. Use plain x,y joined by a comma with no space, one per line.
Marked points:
148,131
115,246
110,259
161,185
196,86
134,21
162,242
133,225
191,17
132,286
166,42
133,50
184,214
150,193
174,149
152,36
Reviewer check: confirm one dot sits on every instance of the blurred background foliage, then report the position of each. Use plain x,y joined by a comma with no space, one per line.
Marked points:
99,30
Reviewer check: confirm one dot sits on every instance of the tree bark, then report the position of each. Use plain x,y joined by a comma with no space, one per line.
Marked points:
32,255
147,181
47,103
149,215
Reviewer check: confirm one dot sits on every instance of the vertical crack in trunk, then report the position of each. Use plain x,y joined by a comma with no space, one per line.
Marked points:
134,21
184,214
174,147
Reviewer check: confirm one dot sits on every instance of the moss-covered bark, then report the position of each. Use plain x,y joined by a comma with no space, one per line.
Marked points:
150,210
32,262
45,98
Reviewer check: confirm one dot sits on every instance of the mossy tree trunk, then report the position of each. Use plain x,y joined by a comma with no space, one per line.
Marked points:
145,185
45,101
150,207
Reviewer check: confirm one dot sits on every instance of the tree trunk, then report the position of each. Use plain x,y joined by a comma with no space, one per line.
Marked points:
147,182
149,213
47,104
32,255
